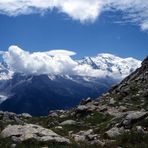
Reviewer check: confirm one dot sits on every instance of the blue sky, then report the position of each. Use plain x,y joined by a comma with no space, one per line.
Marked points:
54,30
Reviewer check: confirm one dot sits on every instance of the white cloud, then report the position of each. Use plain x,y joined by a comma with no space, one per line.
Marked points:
83,10
60,62
60,52
39,62
135,11
51,62
144,25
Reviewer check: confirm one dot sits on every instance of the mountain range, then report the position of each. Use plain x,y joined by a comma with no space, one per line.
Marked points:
37,94
118,118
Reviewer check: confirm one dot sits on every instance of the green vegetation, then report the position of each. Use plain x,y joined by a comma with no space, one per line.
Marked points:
97,118
131,140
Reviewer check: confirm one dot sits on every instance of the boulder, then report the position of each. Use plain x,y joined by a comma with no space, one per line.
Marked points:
53,114
13,145
25,115
95,103
112,101
18,120
103,108
114,132
82,108
134,117
56,113
85,101
122,108
68,122
87,137
140,129
53,123
31,131
9,117
58,127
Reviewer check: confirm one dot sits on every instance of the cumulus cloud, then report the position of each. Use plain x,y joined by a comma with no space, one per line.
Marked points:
135,11
50,62
60,52
82,10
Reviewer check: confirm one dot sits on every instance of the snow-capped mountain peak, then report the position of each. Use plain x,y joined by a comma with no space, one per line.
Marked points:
88,61
114,66
5,72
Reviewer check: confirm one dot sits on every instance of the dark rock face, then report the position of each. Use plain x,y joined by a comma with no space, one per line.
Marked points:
37,95
145,62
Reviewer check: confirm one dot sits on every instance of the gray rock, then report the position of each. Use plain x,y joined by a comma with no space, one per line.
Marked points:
18,121
63,116
54,114
134,116
85,101
58,127
112,101
92,108
52,124
82,108
122,108
1,112
11,117
87,137
8,116
13,145
140,129
95,103
85,133
79,138
114,132
68,122
97,142
25,115
31,131
103,108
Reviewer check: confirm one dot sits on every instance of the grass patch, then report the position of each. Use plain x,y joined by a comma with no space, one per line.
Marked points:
66,128
131,140
97,118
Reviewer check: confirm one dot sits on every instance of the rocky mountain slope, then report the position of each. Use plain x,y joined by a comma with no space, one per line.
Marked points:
119,118
37,94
